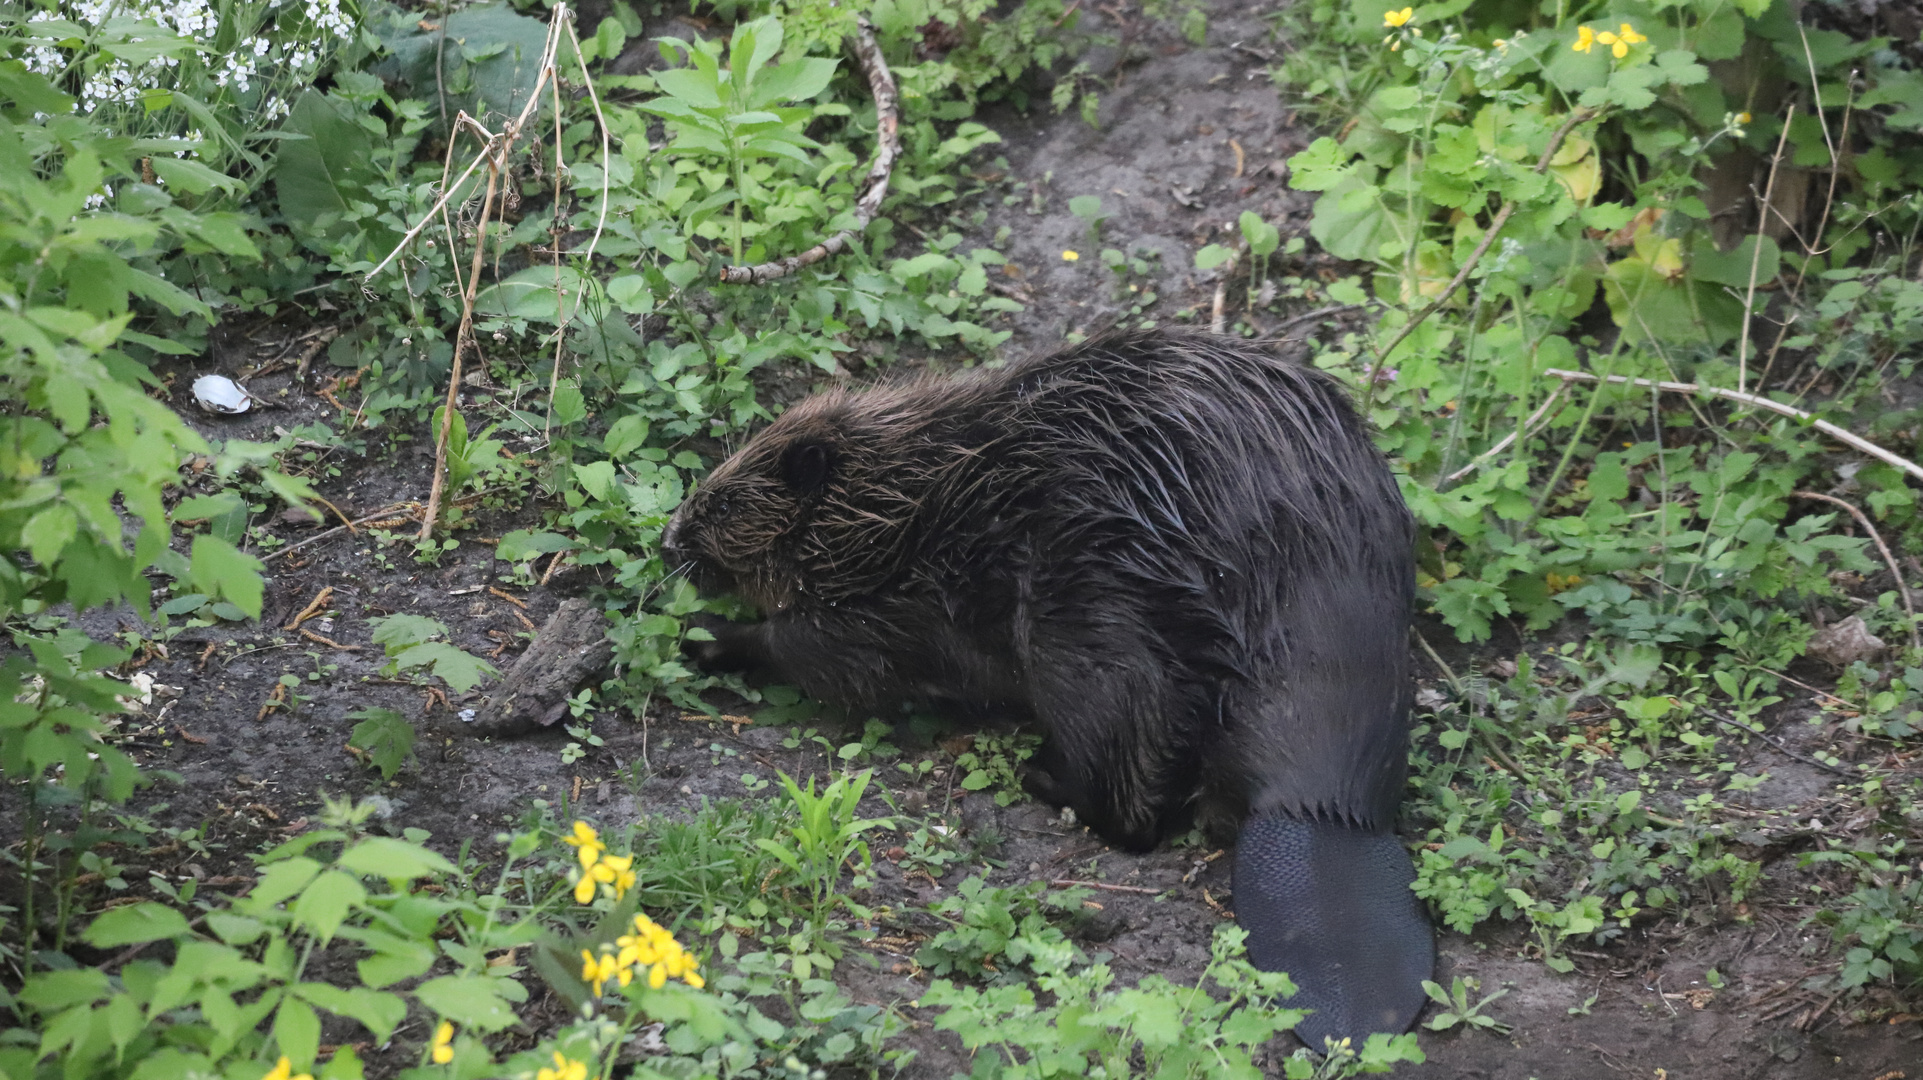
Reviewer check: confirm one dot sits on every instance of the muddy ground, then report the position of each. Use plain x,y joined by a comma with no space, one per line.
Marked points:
1190,137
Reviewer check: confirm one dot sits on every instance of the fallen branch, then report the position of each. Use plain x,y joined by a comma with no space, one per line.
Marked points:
1064,883
881,83
1888,559
1469,266
1854,441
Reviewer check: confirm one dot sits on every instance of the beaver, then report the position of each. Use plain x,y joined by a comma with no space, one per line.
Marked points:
1178,554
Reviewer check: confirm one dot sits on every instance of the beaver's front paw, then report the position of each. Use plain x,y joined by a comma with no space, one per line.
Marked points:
723,645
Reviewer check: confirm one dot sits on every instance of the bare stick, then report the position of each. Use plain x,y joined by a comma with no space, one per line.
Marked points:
561,312
1488,237
1064,883
1756,254
1889,559
432,211
887,145
1218,317
1849,439
1523,431
463,341
386,511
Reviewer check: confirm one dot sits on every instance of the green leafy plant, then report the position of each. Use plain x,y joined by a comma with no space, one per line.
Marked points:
409,642
1463,1003
1089,1025
824,839
986,925
385,736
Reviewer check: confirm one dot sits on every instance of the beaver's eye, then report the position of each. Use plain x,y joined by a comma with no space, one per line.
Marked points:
721,508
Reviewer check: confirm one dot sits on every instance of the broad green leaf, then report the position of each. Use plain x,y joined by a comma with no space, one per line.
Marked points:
380,1013
462,671
134,924
396,632
297,1033
469,1000
326,903
386,857
219,569
386,737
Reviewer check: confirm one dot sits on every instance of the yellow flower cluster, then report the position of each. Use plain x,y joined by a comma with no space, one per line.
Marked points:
285,1071
443,1051
565,1068
597,866
650,947
1587,39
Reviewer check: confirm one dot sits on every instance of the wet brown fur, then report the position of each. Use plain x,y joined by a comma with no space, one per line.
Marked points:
1179,554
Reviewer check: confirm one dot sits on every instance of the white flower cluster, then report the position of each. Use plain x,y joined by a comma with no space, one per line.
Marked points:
237,69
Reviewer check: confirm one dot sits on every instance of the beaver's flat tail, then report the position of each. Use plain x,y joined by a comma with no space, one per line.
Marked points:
1331,905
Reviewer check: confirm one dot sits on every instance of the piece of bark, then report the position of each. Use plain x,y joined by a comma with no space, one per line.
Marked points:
1844,643
569,649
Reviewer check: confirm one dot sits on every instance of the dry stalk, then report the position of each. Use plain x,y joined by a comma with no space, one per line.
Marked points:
1523,431
1888,559
564,313
1219,316
1756,253
1488,237
881,83
1847,438
493,153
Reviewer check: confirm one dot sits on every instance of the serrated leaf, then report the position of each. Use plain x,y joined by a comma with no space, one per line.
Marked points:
386,736
462,671
396,632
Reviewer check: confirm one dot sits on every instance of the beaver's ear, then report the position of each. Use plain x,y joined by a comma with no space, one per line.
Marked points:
804,467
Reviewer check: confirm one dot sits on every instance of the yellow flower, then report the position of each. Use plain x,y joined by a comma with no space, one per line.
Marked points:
1618,43
1398,18
587,843
1585,39
564,1069
443,1051
1070,256
1743,118
284,1070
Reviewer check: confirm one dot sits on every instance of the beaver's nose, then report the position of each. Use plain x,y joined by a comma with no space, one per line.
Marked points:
672,539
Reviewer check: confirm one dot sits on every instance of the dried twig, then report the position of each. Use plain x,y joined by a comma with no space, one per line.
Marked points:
1218,317
385,511
1847,438
1888,559
881,83
1756,254
314,607
1523,431
493,153
1065,883
1488,237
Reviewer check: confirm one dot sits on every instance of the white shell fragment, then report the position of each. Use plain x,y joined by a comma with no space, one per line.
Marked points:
220,394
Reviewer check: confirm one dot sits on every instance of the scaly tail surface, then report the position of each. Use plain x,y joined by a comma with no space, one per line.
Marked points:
1330,904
